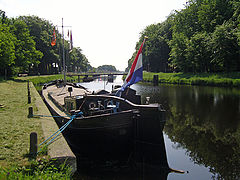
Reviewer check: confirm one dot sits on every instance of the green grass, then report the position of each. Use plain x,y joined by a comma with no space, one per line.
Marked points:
39,169
15,129
206,79
38,81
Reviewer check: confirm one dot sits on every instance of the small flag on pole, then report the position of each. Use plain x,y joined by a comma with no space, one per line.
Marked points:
135,74
71,41
53,43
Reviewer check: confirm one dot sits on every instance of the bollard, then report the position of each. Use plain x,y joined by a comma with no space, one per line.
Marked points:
33,144
155,80
30,112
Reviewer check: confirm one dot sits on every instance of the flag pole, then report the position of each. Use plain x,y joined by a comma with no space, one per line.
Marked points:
135,73
64,66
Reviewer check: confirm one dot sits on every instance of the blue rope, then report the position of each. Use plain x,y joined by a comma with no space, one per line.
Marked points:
60,130
36,115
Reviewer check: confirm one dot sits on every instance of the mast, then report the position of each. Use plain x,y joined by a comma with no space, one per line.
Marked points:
64,66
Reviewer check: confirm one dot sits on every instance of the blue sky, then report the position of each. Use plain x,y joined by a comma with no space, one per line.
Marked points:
106,30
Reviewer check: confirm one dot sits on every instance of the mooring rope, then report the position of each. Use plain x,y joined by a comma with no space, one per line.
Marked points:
60,130
36,115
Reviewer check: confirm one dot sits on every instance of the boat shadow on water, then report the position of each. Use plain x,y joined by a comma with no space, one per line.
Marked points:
147,161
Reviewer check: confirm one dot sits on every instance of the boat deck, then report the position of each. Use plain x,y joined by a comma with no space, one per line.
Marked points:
58,93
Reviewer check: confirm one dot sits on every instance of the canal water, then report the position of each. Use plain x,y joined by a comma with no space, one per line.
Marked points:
202,132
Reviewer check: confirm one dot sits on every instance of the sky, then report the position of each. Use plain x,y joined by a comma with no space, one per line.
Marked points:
106,30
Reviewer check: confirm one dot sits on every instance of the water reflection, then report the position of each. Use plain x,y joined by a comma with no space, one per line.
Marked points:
148,161
203,129
203,120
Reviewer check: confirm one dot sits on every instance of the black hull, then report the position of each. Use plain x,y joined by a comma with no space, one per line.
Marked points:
131,131
110,139
101,143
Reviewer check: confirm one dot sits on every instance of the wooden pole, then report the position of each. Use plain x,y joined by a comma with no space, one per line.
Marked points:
30,112
33,144
28,85
29,95
29,99
155,80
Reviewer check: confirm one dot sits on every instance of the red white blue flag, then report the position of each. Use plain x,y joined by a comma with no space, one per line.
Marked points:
135,74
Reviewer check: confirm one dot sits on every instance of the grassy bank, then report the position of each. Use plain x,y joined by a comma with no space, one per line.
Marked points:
38,81
15,129
205,79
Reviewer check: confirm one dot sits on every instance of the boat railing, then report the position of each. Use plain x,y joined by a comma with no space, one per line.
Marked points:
55,102
126,102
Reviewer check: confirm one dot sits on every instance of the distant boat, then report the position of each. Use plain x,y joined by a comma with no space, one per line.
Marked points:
87,79
105,126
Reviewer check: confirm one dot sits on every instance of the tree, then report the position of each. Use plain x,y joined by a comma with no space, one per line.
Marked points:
177,59
42,31
25,52
225,48
206,37
198,52
106,68
156,49
3,17
7,49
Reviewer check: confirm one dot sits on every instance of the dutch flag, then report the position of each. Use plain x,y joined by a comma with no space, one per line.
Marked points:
135,74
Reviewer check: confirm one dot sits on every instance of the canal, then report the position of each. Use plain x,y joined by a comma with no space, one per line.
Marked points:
202,132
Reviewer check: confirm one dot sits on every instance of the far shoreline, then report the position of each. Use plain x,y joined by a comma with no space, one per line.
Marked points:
231,79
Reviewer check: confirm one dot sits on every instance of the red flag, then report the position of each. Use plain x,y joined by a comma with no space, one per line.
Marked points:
53,43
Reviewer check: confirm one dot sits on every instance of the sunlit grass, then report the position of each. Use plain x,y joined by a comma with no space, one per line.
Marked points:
37,169
38,81
15,127
207,79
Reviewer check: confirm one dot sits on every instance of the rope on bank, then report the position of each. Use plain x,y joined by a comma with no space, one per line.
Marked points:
60,130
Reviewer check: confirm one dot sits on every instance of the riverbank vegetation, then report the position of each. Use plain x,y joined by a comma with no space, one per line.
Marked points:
203,79
204,37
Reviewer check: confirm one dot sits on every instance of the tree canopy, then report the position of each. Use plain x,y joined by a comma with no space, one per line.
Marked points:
25,46
106,68
202,37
